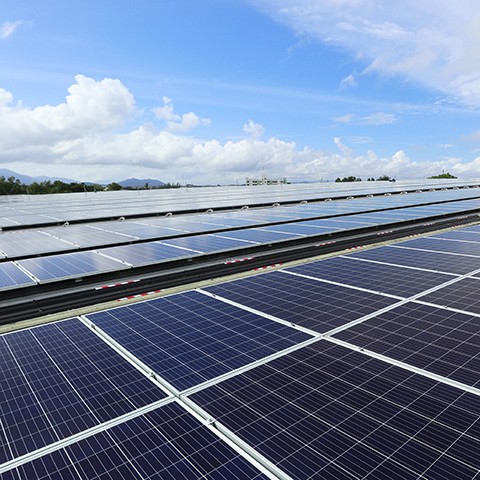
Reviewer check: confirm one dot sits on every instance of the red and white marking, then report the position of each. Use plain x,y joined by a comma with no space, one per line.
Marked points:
138,295
116,284
237,260
266,267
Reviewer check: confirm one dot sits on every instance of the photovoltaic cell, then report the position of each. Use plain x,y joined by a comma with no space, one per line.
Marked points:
312,304
399,281
438,261
13,277
138,230
447,246
259,235
145,253
190,338
58,380
463,234
328,412
165,443
23,243
206,243
86,236
68,265
438,340
462,295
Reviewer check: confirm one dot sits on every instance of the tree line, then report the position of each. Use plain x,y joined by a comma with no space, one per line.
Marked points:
13,186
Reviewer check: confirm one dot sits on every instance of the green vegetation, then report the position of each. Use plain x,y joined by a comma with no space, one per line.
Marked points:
443,175
13,186
348,179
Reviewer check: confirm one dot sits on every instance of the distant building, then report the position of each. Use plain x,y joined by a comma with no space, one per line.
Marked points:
264,180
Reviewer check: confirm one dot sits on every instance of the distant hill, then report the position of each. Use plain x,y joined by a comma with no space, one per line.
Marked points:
136,182
27,180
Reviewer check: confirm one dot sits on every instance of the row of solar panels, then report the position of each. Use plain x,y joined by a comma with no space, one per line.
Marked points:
36,210
20,243
361,366
31,271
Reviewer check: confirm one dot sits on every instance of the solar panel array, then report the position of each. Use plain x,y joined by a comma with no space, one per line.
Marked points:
51,254
365,365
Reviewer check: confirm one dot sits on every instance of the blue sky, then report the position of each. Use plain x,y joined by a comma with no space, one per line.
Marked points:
213,91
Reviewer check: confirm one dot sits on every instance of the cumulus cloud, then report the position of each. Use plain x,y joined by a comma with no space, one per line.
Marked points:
89,137
7,29
434,43
254,130
178,123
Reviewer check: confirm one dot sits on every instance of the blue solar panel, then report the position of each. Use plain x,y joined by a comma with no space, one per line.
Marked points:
59,379
190,338
298,228
338,224
86,236
309,303
437,340
399,281
11,276
446,246
68,265
325,411
145,253
206,243
259,235
468,236
23,243
138,230
438,261
165,443
462,295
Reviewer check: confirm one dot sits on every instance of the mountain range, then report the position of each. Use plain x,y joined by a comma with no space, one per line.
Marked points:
28,180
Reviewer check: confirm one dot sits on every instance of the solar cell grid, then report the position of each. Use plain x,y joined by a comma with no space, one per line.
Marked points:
206,243
165,443
462,295
190,338
459,235
258,235
447,246
312,304
11,276
440,341
399,281
23,243
68,265
86,236
145,253
59,379
326,411
437,261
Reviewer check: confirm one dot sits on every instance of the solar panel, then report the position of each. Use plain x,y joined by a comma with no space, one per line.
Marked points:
312,304
462,295
165,443
298,228
258,235
11,276
440,341
399,281
86,236
464,234
446,246
59,379
138,230
23,243
443,262
145,253
190,338
337,224
328,412
206,243
69,265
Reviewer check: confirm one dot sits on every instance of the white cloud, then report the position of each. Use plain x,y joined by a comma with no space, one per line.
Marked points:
374,119
87,138
434,43
7,29
178,123
254,130
348,82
